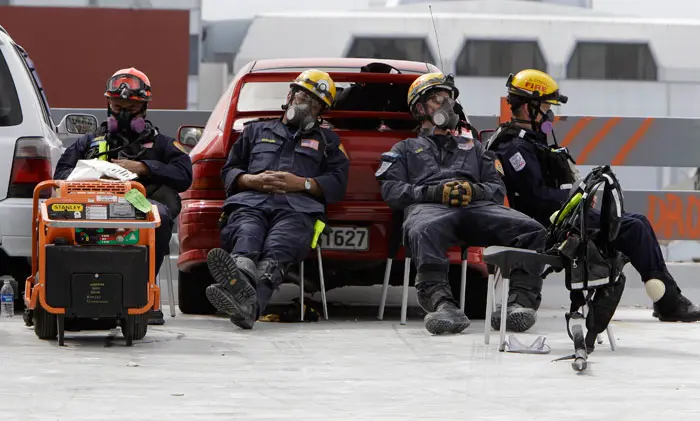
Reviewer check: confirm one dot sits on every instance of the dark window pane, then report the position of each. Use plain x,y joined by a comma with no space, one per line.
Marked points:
612,61
498,58
412,49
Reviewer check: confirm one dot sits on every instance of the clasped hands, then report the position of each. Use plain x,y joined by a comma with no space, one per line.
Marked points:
273,182
452,193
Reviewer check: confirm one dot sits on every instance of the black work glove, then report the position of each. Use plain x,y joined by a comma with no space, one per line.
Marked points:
452,193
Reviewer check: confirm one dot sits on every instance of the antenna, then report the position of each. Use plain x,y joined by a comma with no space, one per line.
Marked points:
437,41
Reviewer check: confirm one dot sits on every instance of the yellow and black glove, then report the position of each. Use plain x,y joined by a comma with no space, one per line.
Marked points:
453,193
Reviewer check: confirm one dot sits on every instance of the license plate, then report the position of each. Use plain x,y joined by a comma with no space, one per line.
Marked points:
345,238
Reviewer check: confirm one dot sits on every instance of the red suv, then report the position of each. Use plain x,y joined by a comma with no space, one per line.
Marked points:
370,115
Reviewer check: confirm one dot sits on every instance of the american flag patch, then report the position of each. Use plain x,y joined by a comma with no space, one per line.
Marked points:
310,143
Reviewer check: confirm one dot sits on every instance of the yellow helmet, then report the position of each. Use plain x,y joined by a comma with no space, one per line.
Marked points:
429,81
317,83
532,84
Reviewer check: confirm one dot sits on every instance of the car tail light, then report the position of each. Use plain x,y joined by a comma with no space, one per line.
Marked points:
206,175
30,165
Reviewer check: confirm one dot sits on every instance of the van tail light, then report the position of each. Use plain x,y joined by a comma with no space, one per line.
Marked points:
206,175
31,165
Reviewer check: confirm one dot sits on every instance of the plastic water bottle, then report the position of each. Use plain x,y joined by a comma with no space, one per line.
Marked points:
7,300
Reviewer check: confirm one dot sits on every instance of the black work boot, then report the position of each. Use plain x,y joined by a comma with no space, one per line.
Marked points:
523,302
675,307
521,313
234,291
435,297
270,277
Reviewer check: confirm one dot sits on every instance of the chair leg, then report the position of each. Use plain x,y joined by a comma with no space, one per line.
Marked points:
504,307
171,290
323,282
611,338
404,291
463,287
301,289
385,288
490,292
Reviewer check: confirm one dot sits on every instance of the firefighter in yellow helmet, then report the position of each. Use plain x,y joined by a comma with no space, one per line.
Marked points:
450,192
538,176
279,176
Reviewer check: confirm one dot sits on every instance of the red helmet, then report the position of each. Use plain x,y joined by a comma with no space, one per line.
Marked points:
130,84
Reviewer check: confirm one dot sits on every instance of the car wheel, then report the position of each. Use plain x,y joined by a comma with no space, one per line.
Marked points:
191,288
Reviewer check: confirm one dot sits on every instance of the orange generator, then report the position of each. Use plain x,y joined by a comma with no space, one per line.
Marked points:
93,260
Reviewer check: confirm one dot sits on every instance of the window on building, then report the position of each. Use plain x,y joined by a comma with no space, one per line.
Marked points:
612,61
498,58
413,49
194,54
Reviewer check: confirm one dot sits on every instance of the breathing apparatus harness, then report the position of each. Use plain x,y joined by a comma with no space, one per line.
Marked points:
591,263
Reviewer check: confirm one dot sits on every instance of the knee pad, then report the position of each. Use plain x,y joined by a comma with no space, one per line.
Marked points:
655,289
603,305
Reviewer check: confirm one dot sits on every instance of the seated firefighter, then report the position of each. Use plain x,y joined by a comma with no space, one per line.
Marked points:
130,141
279,176
450,191
538,177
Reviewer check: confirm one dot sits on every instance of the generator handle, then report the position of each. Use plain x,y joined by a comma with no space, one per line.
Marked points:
81,223
98,224
35,219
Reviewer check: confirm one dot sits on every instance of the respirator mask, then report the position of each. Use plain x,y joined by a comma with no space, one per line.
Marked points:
125,122
445,117
299,112
546,125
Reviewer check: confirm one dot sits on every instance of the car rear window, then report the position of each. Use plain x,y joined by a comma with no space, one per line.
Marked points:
267,96
10,110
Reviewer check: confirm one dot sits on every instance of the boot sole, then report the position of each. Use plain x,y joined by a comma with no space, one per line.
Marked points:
441,326
678,319
224,270
227,305
517,321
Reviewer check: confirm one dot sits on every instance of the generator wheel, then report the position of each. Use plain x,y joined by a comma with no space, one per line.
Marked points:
128,325
45,323
140,326
28,317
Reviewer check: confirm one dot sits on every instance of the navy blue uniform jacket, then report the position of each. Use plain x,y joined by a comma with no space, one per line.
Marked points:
272,146
167,164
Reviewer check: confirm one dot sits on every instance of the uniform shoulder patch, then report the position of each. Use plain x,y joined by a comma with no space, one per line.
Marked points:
517,161
390,156
499,167
383,168
342,149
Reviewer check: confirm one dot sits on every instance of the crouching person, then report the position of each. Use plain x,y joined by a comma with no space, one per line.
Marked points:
450,191
279,176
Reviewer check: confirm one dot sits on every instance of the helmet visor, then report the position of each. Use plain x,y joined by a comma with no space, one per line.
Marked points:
127,86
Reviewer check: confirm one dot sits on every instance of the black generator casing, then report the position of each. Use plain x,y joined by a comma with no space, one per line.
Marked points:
96,281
